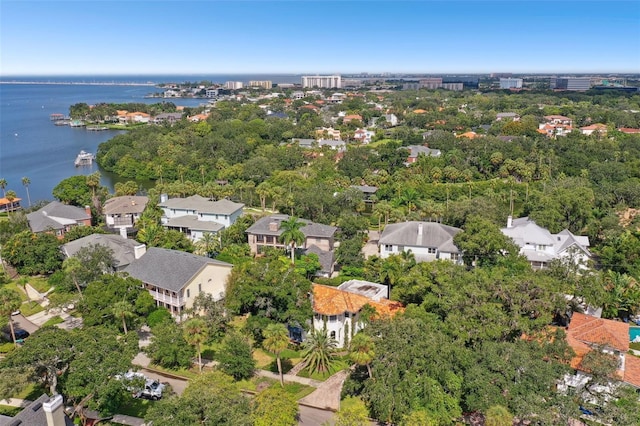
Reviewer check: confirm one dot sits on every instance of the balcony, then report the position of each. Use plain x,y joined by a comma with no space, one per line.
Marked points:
170,299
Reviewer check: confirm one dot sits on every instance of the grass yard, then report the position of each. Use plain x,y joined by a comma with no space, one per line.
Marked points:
39,283
30,308
635,345
338,365
7,410
182,372
53,321
136,407
18,288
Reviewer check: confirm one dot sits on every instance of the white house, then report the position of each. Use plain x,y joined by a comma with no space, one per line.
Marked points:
540,246
427,241
197,215
123,212
337,309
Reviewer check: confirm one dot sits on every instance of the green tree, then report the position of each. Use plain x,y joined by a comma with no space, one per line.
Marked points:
319,351
10,301
498,415
352,412
292,235
210,399
195,333
362,351
26,182
11,196
236,357
274,407
276,339
71,267
33,254
123,310
3,186
168,347
482,243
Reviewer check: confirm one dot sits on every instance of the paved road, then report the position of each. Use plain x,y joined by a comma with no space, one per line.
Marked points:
23,323
310,416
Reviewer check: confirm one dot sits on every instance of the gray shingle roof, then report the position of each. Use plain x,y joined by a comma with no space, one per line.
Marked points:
261,227
408,234
327,259
202,205
123,248
33,415
169,269
365,188
416,150
125,204
191,221
55,215
523,231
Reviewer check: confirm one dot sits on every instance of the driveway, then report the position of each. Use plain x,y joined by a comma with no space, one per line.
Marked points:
21,322
371,247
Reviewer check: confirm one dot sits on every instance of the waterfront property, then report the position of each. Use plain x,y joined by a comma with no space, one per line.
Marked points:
58,218
174,278
7,205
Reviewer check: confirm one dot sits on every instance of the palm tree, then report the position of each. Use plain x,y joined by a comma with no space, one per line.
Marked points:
9,302
196,333
26,182
362,350
276,339
123,310
3,185
318,352
383,209
208,244
71,267
10,196
292,235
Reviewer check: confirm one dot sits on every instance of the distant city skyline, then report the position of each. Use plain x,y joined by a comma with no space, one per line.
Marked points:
318,37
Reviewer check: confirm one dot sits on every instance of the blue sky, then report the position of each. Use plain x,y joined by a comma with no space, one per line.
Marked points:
194,37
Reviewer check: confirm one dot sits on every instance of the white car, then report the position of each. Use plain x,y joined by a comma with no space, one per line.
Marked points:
141,386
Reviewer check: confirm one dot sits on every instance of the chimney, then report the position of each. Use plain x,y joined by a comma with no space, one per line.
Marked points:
54,411
420,228
140,250
163,198
87,209
509,221
274,225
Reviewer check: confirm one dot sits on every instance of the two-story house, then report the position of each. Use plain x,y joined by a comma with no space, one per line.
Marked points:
337,309
122,213
58,218
416,150
124,250
266,231
427,241
540,246
197,215
174,278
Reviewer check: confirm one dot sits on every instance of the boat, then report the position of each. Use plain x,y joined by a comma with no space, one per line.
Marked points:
84,159
97,128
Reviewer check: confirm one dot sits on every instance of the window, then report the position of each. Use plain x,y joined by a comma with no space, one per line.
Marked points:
332,335
388,247
333,318
260,238
346,314
431,250
199,288
188,292
317,317
541,247
455,256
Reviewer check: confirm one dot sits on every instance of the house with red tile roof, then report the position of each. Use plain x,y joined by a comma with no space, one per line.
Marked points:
629,131
598,128
337,309
351,117
587,333
556,125
9,206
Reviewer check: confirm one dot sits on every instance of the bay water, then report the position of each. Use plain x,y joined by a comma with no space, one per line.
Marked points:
32,146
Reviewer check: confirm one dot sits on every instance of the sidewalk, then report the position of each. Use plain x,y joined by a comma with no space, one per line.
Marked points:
15,402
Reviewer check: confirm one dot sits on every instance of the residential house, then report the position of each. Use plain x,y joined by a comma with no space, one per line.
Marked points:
599,129
304,142
167,117
9,206
44,411
540,246
337,309
329,132
174,278
298,94
587,333
556,125
417,150
351,117
338,145
58,218
199,117
368,191
125,251
629,131
507,116
197,215
266,231
391,119
137,117
427,241
122,213
363,136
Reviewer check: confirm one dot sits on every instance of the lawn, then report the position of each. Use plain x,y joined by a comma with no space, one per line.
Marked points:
30,308
635,345
53,321
14,286
338,365
182,372
7,410
39,283
136,407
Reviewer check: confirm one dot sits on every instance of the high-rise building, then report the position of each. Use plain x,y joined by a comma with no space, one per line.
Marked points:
233,85
570,83
265,84
511,83
431,83
322,81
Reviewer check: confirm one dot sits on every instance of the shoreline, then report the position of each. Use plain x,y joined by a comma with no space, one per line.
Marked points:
81,83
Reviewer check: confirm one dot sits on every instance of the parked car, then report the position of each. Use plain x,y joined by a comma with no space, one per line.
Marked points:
141,386
19,333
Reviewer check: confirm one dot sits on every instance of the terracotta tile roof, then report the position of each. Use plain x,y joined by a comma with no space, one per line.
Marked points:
419,111
596,126
628,130
592,330
632,370
333,301
4,200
